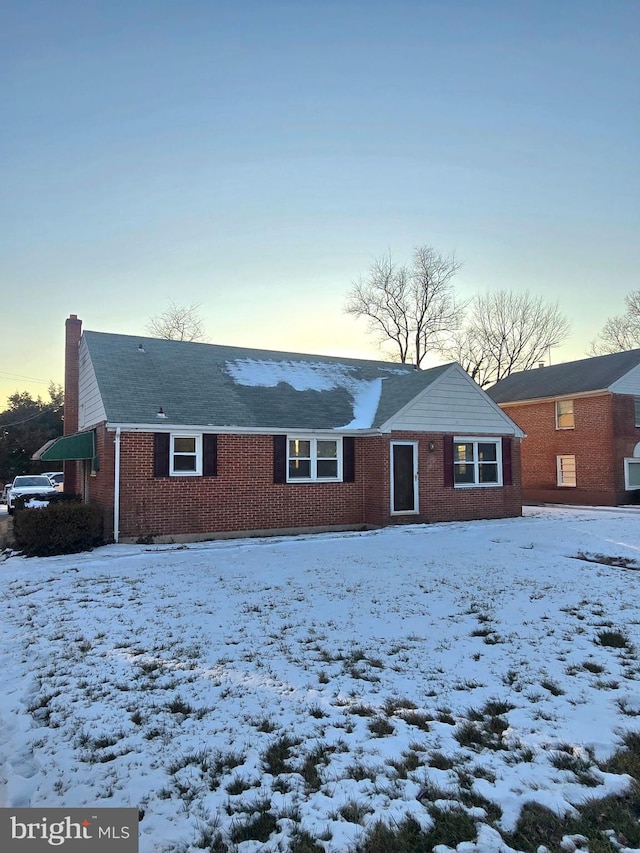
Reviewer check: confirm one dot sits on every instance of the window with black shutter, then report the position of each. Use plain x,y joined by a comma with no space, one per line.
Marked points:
185,455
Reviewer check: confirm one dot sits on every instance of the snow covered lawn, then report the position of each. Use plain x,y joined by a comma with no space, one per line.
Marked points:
257,688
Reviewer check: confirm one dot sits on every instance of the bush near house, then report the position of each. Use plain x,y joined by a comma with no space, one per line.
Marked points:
65,526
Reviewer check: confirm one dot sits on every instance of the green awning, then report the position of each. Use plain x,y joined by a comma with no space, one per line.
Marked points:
82,445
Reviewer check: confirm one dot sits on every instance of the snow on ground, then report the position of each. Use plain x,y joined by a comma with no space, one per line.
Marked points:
201,683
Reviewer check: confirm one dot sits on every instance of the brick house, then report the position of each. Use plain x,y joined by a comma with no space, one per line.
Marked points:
186,441
582,425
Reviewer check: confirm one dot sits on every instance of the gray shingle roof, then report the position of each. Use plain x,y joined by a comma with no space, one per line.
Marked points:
573,377
233,387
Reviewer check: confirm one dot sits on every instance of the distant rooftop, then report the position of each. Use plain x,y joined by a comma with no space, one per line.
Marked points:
572,377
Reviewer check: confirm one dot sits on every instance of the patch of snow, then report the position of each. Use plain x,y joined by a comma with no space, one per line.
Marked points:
312,376
161,677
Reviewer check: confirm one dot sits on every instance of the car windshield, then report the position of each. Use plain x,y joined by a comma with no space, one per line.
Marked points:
19,482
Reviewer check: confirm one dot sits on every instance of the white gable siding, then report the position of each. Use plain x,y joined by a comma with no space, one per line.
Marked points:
629,383
90,406
453,403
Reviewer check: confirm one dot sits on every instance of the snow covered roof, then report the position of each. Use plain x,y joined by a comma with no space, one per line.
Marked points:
233,387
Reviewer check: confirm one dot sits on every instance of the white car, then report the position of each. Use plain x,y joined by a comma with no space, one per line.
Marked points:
57,479
29,484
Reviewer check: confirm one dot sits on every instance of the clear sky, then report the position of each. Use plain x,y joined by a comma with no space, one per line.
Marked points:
256,155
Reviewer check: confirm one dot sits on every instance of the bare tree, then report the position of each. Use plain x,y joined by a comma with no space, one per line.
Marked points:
622,332
506,332
411,306
178,323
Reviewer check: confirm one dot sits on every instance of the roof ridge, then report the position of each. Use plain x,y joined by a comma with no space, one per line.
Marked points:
262,352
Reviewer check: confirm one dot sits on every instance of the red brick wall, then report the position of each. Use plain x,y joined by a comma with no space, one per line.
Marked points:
244,497
625,437
602,436
101,482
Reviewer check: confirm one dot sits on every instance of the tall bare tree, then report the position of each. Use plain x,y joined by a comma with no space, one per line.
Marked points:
413,306
178,323
506,332
622,332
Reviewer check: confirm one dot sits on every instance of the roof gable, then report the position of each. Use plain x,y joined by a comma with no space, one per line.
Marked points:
600,373
453,403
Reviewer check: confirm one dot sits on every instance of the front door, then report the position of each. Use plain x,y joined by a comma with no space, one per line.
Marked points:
404,477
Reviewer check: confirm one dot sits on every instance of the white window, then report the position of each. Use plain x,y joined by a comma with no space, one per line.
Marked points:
636,406
631,474
185,455
566,468
477,462
632,470
564,414
314,459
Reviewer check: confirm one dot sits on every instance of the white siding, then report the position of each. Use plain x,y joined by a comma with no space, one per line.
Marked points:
453,403
90,406
629,383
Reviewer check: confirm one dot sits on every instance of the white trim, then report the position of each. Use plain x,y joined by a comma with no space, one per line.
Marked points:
116,488
530,401
627,464
572,413
197,437
190,429
560,480
476,440
416,491
313,458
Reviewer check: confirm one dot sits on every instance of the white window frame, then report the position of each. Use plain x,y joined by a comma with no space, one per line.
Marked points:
197,453
636,411
476,440
628,462
562,480
559,414
313,476
416,490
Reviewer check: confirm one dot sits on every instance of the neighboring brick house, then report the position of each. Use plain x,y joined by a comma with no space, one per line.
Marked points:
182,441
582,425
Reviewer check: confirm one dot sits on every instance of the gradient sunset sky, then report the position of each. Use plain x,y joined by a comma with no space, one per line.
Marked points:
255,156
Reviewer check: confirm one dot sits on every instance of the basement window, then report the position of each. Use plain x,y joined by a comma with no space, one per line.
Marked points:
631,474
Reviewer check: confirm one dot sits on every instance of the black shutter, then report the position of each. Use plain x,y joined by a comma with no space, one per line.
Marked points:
161,454
448,461
507,478
279,458
348,459
209,455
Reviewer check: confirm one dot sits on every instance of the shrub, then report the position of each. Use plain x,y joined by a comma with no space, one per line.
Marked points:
64,527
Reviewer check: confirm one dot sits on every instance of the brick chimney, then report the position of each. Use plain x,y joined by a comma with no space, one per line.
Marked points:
73,331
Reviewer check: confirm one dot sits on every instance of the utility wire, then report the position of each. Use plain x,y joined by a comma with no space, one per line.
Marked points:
53,407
